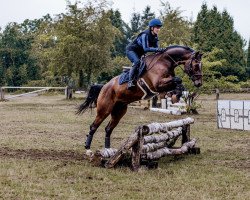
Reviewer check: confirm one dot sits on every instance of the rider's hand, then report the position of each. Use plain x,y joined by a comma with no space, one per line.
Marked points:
160,49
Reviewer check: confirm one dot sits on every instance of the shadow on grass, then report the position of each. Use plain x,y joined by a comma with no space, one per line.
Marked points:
37,154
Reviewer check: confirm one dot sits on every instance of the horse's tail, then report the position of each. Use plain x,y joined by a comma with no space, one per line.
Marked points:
91,98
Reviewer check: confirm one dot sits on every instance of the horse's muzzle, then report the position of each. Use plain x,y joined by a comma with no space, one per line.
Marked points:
197,83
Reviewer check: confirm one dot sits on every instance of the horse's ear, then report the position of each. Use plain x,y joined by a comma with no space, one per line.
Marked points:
198,55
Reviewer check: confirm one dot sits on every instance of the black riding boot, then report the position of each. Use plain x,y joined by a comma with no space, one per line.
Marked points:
132,76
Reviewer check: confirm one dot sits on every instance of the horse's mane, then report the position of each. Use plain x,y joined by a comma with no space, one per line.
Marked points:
169,48
179,46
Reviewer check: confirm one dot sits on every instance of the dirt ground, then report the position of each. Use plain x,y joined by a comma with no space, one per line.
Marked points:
42,146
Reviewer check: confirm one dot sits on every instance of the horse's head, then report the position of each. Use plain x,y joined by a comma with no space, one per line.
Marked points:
193,68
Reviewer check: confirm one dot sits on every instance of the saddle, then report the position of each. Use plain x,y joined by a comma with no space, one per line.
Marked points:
124,77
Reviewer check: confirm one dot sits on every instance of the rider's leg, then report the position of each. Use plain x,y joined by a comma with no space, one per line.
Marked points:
133,74
134,58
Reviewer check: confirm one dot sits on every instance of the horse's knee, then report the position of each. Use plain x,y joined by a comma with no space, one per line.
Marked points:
92,129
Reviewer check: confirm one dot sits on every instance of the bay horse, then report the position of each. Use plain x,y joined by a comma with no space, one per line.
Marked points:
113,98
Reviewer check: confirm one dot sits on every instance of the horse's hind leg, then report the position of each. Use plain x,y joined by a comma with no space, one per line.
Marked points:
117,113
102,113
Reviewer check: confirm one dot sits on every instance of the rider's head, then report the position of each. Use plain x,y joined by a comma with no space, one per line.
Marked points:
154,26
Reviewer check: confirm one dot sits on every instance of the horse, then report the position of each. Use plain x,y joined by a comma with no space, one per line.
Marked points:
113,98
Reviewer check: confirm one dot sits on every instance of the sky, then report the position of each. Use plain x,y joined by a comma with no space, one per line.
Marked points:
19,10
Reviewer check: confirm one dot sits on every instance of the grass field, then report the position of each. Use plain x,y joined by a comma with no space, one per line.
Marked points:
42,143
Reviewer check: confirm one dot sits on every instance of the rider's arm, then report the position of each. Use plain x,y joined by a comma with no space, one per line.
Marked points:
146,48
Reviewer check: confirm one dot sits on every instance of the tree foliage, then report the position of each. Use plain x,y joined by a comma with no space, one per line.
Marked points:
146,16
83,38
15,53
121,39
215,29
176,29
248,60
87,44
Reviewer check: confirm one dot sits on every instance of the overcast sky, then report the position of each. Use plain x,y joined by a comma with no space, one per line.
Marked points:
19,10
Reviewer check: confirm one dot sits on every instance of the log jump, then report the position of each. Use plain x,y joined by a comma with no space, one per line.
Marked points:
148,144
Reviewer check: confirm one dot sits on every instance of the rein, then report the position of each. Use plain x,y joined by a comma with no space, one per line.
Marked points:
150,67
176,63
189,70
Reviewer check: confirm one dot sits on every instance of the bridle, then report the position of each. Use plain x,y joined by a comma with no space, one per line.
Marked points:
189,69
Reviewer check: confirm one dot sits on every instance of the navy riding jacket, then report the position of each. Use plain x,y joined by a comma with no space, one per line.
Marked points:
143,43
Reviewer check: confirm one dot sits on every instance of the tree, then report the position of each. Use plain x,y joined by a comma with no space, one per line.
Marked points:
212,79
80,39
214,29
199,34
15,52
138,23
135,24
248,59
176,29
121,39
146,16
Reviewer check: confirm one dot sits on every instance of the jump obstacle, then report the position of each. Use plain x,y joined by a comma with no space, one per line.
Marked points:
148,144
171,108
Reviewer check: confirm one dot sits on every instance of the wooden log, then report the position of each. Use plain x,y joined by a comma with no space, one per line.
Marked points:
101,155
171,142
136,152
1,94
149,147
217,91
164,127
163,137
167,111
123,149
69,92
168,151
185,133
107,152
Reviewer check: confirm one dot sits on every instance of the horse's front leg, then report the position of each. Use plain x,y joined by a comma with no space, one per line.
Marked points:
102,113
117,113
171,87
165,84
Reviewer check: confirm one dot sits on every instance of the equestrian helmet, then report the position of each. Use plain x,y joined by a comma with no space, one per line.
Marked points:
154,22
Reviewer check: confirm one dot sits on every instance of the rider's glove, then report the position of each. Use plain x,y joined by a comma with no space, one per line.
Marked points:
160,49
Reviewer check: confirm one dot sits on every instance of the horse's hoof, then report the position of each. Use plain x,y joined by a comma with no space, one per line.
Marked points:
89,153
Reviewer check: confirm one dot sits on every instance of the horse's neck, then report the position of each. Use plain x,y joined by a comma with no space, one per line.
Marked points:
176,55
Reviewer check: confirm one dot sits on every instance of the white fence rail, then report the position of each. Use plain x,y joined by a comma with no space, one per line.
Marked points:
68,91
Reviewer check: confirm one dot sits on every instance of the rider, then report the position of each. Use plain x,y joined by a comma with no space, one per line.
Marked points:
146,41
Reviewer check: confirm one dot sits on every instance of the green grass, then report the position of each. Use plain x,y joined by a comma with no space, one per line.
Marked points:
41,148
